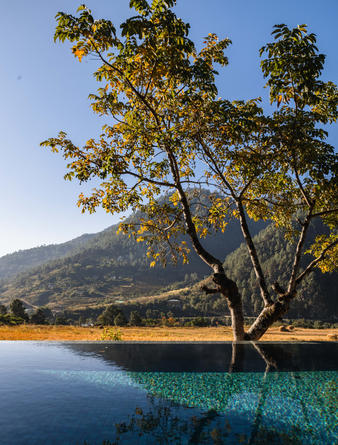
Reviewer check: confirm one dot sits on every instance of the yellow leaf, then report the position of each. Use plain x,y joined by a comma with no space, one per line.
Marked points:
152,264
79,54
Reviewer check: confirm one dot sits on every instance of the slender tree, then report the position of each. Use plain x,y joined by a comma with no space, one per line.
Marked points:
169,132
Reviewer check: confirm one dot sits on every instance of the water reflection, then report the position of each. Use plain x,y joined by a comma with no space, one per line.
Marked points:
213,357
162,425
168,393
266,405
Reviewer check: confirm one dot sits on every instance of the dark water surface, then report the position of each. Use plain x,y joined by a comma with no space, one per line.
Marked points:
182,393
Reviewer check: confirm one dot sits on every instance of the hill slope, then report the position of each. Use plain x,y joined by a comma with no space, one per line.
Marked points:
316,297
109,267
14,263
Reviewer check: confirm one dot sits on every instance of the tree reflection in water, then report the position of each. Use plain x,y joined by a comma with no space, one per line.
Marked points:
160,425
165,422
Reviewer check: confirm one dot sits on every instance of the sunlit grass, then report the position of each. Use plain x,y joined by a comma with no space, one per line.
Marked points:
74,333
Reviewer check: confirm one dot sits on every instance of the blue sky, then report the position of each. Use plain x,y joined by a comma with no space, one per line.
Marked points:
44,90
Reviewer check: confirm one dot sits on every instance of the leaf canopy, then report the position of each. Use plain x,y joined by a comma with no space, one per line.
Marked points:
168,132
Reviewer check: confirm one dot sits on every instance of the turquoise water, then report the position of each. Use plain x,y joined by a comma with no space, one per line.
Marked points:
91,393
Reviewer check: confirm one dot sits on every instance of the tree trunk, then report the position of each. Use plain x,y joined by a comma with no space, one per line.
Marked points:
237,321
237,357
229,290
267,317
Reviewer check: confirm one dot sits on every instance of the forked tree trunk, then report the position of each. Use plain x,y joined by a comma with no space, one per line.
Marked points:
267,317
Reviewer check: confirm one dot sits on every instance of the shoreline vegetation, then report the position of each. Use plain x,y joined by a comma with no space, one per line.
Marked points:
165,333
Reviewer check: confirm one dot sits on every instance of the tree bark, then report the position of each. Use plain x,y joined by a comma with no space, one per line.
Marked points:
267,317
229,290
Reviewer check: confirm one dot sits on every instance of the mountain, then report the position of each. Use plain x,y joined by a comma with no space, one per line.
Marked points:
316,296
95,270
14,263
104,268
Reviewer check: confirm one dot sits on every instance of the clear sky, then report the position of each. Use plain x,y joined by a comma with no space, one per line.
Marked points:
44,90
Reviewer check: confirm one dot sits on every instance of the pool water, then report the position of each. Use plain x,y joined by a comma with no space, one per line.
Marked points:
207,393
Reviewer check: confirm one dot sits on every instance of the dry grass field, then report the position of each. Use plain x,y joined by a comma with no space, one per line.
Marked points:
75,333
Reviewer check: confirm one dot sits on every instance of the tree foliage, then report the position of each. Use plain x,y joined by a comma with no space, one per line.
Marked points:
172,134
17,309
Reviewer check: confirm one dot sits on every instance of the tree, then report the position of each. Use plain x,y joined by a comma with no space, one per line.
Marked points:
39,317
17,309
120,319
135,319
172,135
3,309
60,320
108,315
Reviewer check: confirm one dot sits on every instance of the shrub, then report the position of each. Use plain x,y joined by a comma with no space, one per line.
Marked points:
199,322
110,334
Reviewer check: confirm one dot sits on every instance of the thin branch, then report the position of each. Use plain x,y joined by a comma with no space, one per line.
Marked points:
254,256
215,166
136,92
324,212
247,185
314,262
298,253
177,218
307,200
209,259
152,181
150,79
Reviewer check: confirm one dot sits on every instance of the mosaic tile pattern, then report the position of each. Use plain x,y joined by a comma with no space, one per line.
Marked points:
56,395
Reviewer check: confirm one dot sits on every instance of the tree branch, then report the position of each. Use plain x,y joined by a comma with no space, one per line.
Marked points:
209,259
209,290
314,262
136,92
253,256
151,181
215,166
298,253
324,212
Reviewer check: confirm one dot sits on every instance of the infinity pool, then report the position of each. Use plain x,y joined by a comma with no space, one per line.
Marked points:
165,393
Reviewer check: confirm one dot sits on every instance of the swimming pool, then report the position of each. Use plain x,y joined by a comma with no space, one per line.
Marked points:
168,393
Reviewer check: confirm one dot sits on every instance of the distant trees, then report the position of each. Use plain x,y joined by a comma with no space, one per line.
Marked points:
135,319
108,315
39,317
111,316
17,314
18,309
120,319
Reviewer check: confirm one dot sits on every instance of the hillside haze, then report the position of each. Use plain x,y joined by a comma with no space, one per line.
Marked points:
14,263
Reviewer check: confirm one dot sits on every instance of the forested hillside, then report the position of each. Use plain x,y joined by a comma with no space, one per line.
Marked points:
96,270
316,297
110,267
